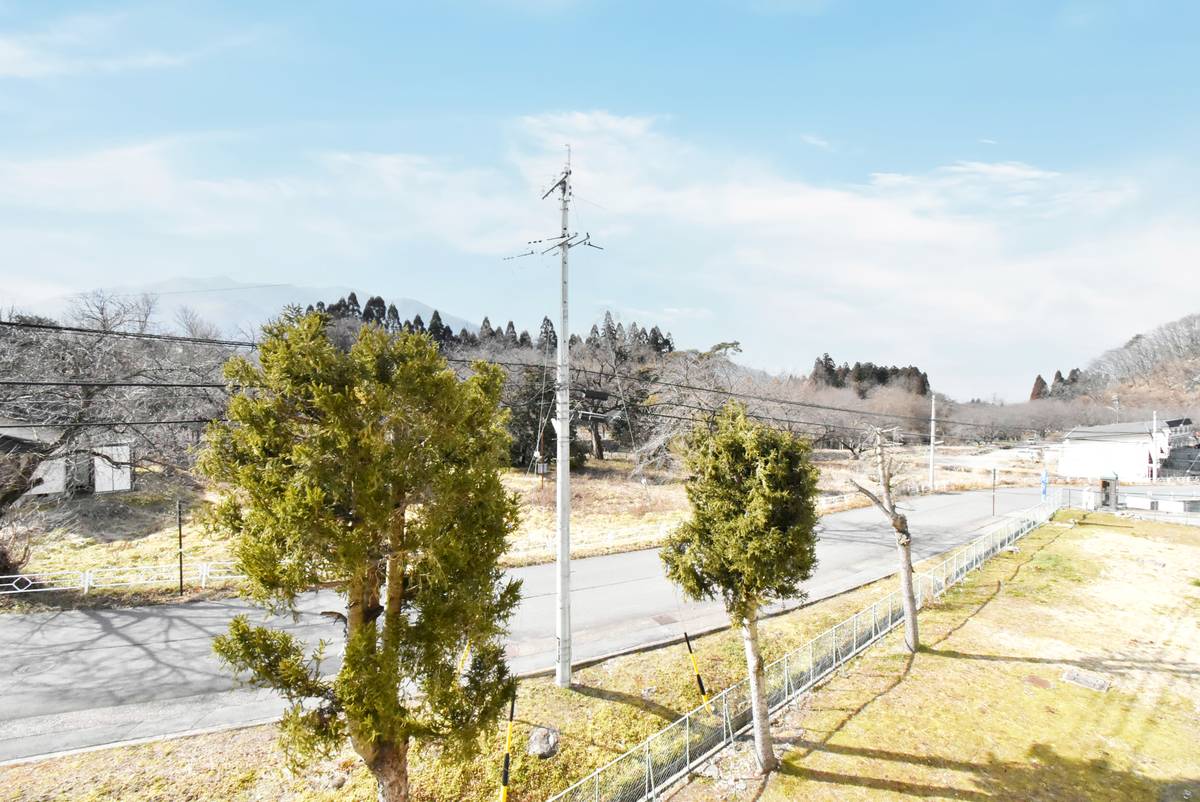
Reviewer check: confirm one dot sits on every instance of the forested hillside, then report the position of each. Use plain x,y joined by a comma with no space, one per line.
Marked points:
1161,366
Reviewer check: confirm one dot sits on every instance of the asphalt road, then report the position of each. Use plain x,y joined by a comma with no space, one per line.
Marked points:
85,678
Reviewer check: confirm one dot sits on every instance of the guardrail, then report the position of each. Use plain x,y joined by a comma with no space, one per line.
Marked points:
672,753
194,575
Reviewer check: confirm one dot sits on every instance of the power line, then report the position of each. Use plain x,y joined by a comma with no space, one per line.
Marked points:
179,338
590,371
65,383
196,292
110,423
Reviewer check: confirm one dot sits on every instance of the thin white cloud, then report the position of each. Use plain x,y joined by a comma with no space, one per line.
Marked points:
91,44
816,141
975,270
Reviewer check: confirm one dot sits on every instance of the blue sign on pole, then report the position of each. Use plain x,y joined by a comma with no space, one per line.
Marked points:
1045,484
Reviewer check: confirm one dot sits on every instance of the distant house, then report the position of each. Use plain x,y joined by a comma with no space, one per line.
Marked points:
1125,451
1181,433
96,468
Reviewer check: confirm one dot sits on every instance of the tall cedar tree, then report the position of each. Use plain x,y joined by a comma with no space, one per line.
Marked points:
750,539
376,472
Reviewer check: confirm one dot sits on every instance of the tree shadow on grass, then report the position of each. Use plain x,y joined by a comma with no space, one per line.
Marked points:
1044,774
645,705
1104,665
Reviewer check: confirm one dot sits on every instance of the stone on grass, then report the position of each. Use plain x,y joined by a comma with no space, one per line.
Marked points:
543,742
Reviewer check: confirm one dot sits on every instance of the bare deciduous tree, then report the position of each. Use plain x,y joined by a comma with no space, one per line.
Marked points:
887,505
87,391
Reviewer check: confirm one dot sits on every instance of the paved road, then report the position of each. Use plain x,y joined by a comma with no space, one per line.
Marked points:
91,677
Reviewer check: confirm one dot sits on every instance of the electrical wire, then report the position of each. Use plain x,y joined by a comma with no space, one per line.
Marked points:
588,371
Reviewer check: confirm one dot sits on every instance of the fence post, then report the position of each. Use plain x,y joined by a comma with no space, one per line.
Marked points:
811,666
179,525
87,581
204,568
687,744
649,771
787,678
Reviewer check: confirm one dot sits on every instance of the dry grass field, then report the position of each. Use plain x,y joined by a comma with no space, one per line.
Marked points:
986,710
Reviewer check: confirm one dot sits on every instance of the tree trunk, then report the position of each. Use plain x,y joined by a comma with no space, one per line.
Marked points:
390,768
597,441
764,750
912,638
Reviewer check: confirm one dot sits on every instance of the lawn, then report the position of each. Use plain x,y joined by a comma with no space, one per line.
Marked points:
985,710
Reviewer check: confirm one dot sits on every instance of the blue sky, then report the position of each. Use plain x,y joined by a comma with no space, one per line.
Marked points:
988,190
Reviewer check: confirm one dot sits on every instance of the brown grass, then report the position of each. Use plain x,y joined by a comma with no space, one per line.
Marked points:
983,711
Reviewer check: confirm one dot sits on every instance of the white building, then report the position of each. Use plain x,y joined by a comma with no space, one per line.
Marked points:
99,468
1129,452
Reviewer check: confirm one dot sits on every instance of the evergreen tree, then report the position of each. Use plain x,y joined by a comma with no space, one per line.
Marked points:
438,330
418,325
375,311
547,340
608,331
387,489
352,307
510,335
593,338
751,536
656,341
485,331
392,319
525,341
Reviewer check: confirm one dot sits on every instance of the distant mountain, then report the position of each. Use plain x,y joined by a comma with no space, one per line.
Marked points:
239,308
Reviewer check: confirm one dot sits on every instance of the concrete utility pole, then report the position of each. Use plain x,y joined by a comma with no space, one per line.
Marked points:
562,489
932,434
564,241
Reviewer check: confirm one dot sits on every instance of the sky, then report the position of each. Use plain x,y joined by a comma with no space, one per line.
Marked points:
988,190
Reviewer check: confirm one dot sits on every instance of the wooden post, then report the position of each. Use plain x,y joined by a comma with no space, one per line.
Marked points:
179,527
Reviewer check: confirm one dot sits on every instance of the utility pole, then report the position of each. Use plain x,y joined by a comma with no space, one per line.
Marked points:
562,489
932,434
564,242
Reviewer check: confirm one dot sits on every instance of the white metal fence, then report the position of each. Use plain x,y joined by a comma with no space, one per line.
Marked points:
670,754
195,575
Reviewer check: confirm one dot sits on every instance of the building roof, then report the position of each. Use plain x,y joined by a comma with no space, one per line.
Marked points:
1134,430
21,430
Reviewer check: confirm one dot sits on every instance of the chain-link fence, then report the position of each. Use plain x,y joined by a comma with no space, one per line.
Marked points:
670,754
